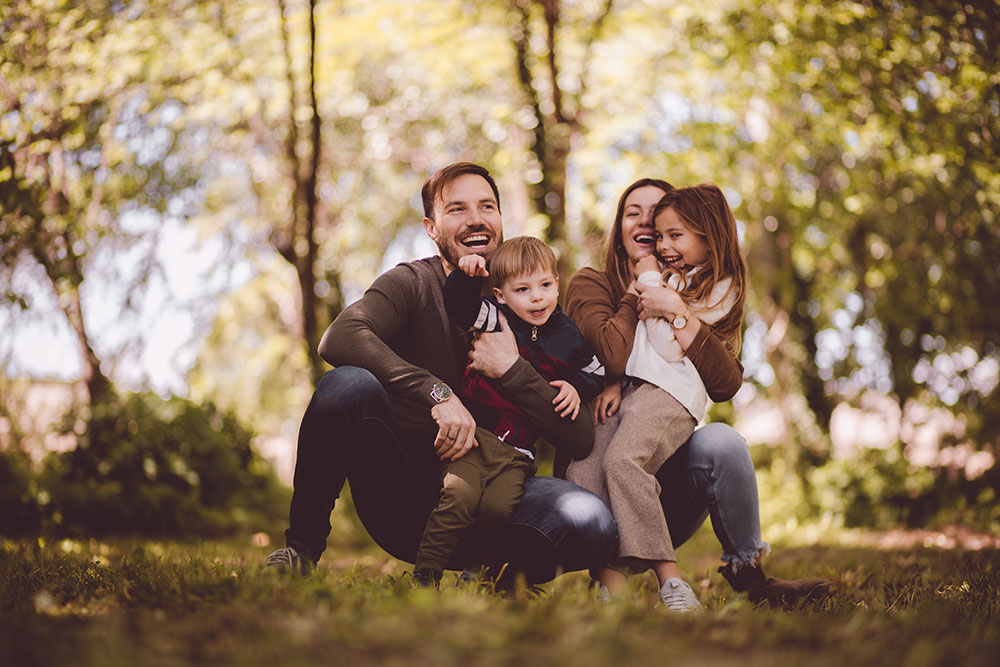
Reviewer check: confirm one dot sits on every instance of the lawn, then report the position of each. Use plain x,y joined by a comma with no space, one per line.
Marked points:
147,603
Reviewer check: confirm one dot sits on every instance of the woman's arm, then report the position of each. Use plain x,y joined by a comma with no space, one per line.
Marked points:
720,371
608,327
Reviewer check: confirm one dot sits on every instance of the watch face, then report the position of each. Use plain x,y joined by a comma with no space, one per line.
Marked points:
440,392
679,322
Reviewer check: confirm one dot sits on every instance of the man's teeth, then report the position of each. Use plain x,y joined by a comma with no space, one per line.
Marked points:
476,239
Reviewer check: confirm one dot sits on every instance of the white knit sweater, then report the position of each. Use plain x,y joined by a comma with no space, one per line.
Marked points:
658,358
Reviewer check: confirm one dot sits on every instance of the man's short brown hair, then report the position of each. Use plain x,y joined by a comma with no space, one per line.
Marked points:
433,186
519,256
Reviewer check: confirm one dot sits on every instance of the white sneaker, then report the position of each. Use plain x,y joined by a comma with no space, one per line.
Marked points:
288,560
678,596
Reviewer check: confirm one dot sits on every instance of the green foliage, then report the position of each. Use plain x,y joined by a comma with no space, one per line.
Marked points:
861,139
149,466
21,514
878,488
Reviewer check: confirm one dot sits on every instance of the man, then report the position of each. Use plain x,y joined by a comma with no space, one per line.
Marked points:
386,414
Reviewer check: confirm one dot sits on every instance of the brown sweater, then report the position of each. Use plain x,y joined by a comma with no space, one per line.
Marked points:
400,332
609,327
610,330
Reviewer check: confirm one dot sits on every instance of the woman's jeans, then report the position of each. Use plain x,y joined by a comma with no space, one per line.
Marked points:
350,431
712,474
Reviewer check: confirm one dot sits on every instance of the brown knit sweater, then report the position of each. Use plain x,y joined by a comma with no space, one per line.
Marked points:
609,327
400,332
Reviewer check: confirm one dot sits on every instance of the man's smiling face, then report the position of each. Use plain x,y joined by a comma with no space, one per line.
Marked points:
466,220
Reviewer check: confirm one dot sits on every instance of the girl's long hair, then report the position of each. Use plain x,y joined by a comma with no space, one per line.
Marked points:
704,209
616,262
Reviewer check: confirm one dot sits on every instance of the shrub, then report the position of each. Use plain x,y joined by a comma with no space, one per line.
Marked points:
159,467
22,514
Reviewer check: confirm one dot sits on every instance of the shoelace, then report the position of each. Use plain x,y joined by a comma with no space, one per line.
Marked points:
284,556
676,597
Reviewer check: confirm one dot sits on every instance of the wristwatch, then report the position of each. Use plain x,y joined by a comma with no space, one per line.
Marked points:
440,392
679,322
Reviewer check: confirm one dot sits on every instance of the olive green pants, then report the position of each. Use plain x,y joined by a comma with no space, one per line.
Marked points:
480,489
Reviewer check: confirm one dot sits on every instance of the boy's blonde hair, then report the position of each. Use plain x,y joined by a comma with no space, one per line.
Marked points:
519,256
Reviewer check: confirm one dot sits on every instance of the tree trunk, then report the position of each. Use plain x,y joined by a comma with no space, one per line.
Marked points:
297,244
557,114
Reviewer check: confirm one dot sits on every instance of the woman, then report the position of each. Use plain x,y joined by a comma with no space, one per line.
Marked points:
712,473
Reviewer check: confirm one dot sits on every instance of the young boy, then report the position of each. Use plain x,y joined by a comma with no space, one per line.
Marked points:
482,487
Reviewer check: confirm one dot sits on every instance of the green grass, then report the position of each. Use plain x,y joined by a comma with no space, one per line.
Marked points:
122,603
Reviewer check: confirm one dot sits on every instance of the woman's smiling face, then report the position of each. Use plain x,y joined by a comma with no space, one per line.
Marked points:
637,221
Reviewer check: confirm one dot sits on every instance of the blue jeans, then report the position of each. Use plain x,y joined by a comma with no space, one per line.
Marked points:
712,474
350,432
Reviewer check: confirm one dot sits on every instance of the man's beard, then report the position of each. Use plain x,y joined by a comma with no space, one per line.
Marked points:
451,250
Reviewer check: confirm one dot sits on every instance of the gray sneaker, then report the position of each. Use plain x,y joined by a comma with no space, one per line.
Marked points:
678,596
287,559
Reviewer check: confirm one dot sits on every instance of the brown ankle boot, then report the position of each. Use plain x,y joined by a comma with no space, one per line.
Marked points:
779,593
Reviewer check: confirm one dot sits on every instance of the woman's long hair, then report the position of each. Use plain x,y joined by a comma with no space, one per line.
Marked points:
616,261
705,211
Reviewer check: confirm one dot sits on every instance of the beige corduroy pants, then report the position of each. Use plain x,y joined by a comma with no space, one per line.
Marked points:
628,449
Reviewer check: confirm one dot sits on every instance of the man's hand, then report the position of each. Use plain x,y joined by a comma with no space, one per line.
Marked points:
659,302
473,265
607,403
456,429
567,401
493,354
647,263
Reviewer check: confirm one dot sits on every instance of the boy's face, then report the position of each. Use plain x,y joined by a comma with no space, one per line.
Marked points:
532,296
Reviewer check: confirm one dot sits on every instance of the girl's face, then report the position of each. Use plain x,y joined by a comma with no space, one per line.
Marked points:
677,246
637,222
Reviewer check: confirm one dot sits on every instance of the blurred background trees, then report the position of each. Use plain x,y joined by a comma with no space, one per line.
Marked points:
201,187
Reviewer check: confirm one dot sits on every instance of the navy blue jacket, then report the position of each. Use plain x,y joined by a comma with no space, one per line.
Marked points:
556,350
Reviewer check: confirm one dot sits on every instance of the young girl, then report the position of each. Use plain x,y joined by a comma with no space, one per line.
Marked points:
664,398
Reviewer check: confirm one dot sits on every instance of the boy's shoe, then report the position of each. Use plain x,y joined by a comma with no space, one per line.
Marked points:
778,593
288,559
677,595
424,578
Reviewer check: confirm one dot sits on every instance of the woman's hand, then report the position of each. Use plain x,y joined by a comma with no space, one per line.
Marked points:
647,263
607,402
567,401
659,302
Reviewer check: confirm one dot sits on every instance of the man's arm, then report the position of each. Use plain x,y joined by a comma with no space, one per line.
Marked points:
495,355
358,337
532,393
